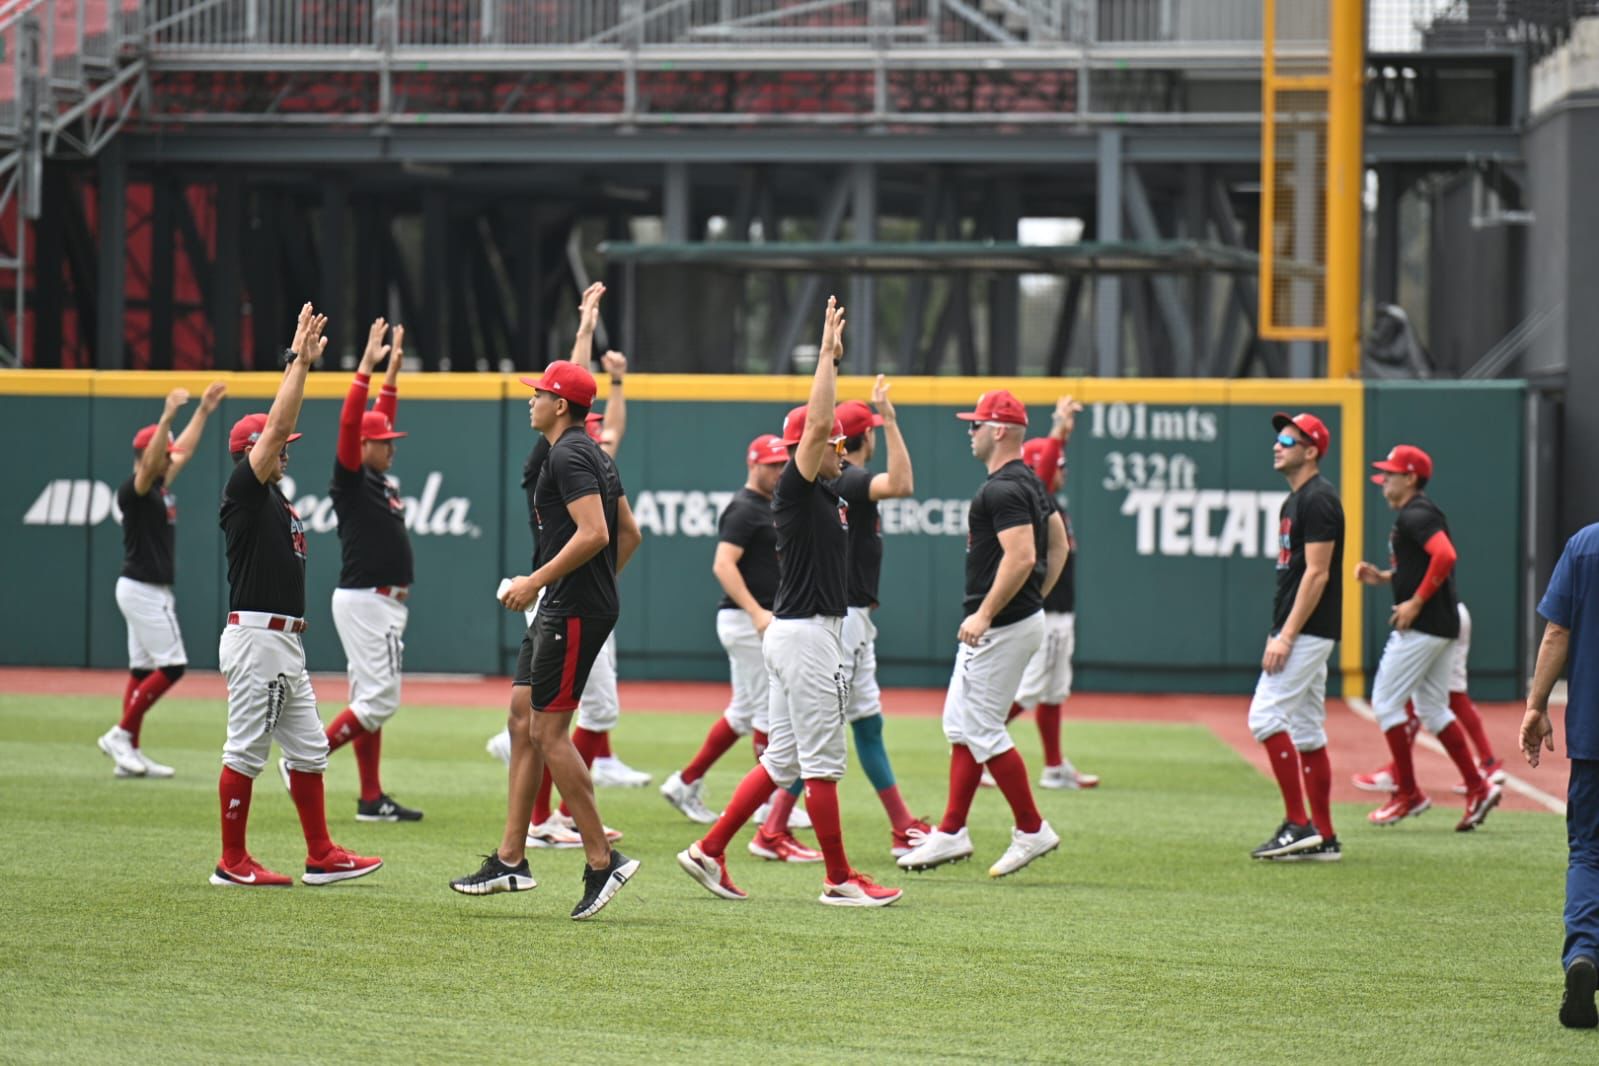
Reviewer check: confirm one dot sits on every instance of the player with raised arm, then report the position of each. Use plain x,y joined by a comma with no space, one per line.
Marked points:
1415,662
862,490
1047,681
586,535
1016,548
1288,714
269,692
156,657
803,650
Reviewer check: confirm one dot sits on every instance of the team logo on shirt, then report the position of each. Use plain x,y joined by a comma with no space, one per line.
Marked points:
296,529
843,514
1285,543
171,503
392,494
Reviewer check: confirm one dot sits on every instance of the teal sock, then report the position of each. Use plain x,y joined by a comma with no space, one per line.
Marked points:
796,788
872,753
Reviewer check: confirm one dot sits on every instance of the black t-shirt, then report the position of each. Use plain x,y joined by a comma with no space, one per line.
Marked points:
854,486
148,533
1012,496
265,545
746,523
1414,526
1062,599
376,549
530,481
1312,514
577,467
812,547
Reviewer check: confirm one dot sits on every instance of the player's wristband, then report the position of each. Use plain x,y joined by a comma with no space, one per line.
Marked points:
617,382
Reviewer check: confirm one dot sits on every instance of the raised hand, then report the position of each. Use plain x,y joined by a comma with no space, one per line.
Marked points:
376,351
833,332
312,343
1066,412
615,364
588,311
880,400
176,399
213,396
396,353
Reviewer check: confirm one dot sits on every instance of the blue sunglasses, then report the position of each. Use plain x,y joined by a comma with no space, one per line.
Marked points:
1288,440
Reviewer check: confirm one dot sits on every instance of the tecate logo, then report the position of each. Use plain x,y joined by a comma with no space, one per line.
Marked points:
82,502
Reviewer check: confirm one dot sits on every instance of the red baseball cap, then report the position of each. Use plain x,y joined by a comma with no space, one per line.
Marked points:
566,380
375,425
247,430
856,417
1403,459
794,427
594,426
1308,424
1044,455
141,441
997,406
766,449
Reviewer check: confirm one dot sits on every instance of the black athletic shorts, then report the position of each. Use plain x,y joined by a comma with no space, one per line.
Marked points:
557,655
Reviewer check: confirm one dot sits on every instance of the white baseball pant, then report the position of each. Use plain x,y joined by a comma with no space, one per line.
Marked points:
804,659
1414,668
372,629
151,612
269,697
1048,677
1460,653
599,708
984,683
859,637
748,708
1294,700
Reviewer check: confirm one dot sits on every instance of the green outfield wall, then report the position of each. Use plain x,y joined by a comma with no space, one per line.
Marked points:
1170,485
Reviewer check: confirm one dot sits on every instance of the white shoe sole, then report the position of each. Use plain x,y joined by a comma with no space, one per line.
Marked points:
995,872
127,769
772,856
1073,785
857,901
613,884
704,817
1423,808
505,883
1369,787
636,779
340,875
931,864
712,883
558,845
224,882
158,772
1312,841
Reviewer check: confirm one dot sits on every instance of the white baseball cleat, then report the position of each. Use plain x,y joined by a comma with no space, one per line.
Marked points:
936,849
552,834
987,780
499,746
151,767
687,799
283,772
797,818
1067,776
1024,848
611,772
117,743
566,821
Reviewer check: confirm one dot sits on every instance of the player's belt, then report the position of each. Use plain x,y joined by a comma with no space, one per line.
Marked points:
261,620
397,592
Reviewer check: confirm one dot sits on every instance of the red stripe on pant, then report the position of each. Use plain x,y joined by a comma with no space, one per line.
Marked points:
564,700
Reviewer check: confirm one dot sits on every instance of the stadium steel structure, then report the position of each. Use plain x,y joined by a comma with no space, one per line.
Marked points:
465,164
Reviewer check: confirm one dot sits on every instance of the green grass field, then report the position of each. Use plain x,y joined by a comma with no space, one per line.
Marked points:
1149,937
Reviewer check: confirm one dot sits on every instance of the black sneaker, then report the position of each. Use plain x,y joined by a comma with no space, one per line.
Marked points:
495,876
1577,1010
1288,839
384,809
600,885
1326,851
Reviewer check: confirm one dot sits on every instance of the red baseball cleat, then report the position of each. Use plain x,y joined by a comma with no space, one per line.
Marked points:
858,890
1478,804
781,847
338,865
248,874
1399,808
1493,772
912,836
1377,781
710,871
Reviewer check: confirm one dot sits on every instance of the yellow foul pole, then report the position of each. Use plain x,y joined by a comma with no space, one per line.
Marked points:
1345,182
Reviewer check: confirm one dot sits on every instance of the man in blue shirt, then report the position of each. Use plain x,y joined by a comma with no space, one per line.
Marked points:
1571,607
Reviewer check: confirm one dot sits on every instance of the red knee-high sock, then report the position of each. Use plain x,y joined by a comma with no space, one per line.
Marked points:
1010,774
309,801
750,794
1049,732
1285,765
541,801
1015,712
759,739
965,773
368,753
1412,723
821,802
1453,739
604,750
899,815
233,789
587,742
1468,715
782,806
717,742
1399,738
1318,784
134,679
343,729
143,698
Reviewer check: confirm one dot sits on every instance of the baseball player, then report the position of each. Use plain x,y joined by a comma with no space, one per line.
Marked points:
1047,681
156,659
1490,765
861,490
803,650
746,567
1415,662
369,605
269,691
1288,714
586,534
1015,550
